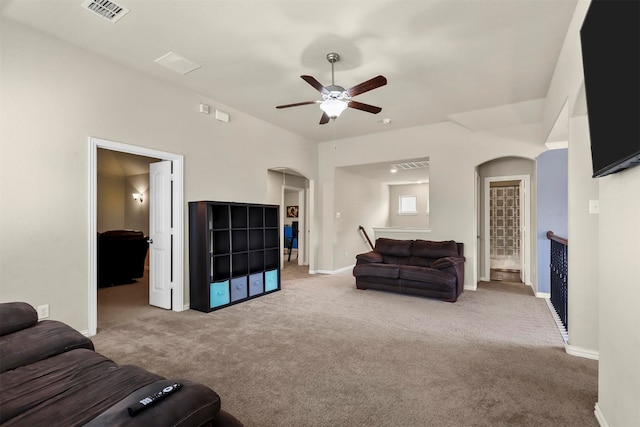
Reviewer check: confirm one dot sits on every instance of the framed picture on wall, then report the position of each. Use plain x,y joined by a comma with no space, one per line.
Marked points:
292,212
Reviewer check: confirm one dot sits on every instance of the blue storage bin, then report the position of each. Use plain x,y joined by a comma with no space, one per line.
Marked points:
219,294
256,284
238,288
270,280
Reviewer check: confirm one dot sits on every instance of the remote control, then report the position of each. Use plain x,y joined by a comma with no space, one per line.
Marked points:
152,399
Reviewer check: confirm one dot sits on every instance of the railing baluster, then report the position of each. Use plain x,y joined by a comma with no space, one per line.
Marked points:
559,282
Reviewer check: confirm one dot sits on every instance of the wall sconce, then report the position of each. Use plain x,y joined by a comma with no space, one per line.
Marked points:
137,196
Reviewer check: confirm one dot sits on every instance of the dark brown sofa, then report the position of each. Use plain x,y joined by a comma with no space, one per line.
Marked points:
416,267
51,375
121,255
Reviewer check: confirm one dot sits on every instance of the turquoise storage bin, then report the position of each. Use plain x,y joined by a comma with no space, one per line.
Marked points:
270,280
219,294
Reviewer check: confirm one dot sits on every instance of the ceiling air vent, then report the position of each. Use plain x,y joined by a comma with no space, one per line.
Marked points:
411,165
108,10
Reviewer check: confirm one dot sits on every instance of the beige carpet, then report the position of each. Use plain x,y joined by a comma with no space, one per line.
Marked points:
322,353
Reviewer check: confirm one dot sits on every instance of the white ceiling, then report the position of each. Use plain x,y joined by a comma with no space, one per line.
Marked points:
116,163
466,61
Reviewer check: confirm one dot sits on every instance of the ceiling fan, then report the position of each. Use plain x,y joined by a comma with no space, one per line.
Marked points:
336,99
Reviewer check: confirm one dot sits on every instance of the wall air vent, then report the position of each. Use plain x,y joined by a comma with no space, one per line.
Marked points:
105,8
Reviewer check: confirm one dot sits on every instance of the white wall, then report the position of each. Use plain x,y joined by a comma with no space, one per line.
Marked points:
583,241
359,201
421,219
605,312
619,298
136,214
45,146
110,203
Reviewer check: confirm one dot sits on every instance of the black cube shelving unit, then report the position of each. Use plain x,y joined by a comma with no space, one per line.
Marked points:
234,253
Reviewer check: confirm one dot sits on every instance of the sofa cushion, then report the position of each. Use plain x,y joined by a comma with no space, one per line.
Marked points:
431,249
389,271
15,316
67,390
420,261
427,275
46,339
393,247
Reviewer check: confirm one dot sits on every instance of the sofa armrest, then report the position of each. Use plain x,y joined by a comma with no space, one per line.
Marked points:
453,265
193,405
369,257
450,261
15,316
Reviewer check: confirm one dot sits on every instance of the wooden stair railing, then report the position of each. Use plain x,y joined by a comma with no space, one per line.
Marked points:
363,231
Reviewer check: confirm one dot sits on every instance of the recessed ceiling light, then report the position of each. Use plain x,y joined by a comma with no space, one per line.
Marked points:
386,121
393,170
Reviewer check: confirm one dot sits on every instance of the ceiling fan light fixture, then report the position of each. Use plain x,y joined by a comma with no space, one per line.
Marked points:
333,107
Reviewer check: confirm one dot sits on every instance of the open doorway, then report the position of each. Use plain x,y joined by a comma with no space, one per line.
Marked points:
505,239
506,229
295,194
175,287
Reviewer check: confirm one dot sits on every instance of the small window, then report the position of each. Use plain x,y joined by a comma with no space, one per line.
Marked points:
408,205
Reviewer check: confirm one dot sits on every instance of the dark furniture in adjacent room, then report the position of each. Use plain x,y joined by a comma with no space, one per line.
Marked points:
234,253
121,256
51,375
291,237
416,267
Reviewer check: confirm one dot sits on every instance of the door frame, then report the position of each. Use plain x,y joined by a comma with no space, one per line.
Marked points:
302,225
525,225
178,216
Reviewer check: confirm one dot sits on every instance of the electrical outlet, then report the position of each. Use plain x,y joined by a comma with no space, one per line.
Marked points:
346,255
43,311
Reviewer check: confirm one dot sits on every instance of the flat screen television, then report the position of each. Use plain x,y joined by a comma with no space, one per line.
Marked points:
610,37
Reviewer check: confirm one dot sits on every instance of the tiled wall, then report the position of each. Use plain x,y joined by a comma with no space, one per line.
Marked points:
504,224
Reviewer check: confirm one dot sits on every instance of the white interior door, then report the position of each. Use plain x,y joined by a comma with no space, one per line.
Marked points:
160,230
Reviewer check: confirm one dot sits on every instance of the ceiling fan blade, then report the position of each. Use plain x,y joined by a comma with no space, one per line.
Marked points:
297,104
364,107
367,86
324,119
316,84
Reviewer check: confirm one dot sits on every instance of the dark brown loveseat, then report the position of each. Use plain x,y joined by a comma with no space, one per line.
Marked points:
416,267
50,375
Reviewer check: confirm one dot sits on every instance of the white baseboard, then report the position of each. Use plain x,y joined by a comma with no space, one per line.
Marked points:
600,416
546,295
186,307
582,352
85,332
341,270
